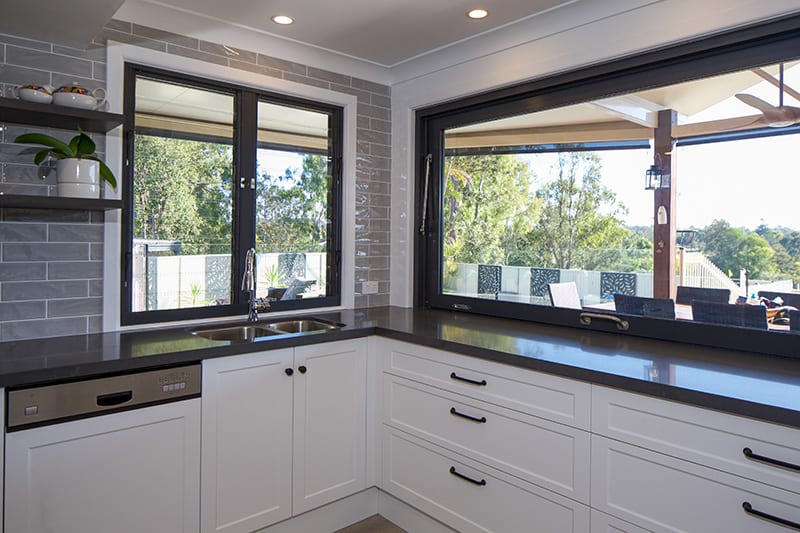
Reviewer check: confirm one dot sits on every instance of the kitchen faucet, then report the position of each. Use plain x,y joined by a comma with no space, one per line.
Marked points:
254,304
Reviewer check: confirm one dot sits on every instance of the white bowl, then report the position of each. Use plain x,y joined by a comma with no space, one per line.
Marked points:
81,101
32,95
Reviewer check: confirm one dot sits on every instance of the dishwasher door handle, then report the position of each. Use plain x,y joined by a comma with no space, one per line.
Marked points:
114,398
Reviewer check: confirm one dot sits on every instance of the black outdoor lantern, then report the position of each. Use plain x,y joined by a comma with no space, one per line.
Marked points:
655,177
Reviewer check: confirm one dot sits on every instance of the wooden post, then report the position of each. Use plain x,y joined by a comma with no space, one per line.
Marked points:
664,238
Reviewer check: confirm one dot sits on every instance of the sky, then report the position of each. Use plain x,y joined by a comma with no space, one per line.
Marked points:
748,183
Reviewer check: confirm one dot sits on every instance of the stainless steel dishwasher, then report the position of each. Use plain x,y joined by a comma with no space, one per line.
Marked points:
119,454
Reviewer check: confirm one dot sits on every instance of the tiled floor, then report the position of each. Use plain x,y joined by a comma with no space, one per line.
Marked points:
373,524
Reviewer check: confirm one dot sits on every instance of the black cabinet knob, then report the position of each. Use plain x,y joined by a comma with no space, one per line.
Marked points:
302,369
289,371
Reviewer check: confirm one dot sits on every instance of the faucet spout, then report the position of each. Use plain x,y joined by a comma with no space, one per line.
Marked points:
249,284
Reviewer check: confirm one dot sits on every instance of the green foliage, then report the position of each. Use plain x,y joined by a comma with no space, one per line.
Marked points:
487,209
79,147
182,192
292,209
732,249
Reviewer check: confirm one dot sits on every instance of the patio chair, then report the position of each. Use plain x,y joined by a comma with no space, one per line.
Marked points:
642,306
617,283
564,295
789,298
685,295
749,316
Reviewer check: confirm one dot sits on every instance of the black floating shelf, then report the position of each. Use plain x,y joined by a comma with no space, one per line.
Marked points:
57,116
58,202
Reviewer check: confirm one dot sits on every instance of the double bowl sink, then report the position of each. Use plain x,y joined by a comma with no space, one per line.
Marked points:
254,330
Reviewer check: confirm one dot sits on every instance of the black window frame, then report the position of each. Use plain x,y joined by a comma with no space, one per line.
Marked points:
729,51
245,145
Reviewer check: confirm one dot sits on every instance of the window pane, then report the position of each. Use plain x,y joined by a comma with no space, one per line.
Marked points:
558,201
292,202
182,205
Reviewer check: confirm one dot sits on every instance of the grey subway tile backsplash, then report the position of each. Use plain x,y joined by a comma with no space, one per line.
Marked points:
10,311
23,232
50,327
91,270
43,290
76,233
65,274
23,271
25,57
74,307
48,251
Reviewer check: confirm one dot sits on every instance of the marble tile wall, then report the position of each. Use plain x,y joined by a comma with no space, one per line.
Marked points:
51,261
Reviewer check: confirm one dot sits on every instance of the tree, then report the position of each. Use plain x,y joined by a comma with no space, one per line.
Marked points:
182,192
487,209
292,209
733,249
579,225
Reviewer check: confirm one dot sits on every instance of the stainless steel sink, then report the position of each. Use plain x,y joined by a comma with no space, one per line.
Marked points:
251,331
304,325
238,333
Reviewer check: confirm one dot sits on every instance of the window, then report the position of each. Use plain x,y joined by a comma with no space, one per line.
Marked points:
541,192
214,170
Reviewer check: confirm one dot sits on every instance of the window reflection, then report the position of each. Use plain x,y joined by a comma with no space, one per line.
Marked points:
559,197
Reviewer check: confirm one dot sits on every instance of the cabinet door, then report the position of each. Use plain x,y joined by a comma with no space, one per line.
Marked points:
126,472
330,405
247,441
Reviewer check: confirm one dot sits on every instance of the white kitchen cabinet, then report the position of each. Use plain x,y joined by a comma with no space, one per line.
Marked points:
472,497
662,493
545,453
330,423
603,523
284,431
53,482
247,441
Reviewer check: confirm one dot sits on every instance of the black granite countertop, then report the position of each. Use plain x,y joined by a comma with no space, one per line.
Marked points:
755,385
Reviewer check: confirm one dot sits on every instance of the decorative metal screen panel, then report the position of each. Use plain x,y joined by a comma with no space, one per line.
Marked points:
540,277
617,283
488,279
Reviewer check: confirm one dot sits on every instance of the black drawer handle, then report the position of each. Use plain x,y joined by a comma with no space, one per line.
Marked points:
114,398
755,457
453,471
482,382
772,518
481,420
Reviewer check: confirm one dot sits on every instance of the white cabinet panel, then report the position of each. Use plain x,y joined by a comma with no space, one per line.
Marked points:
247,441
330,428
428,477
603,523
53,486
558,399
703,436
663,494
551,455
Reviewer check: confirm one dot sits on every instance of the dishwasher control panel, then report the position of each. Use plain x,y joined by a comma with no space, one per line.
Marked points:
50,403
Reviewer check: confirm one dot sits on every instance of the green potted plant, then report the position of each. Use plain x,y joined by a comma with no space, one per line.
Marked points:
78,169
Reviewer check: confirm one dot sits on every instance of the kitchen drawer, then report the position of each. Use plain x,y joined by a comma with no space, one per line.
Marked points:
427,477
603,523
699,435
551,455
661,493
558,399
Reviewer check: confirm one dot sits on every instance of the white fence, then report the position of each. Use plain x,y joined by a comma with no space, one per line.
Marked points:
178,281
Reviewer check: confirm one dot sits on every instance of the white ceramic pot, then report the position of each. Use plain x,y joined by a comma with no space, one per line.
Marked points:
41,94
78,178
76,96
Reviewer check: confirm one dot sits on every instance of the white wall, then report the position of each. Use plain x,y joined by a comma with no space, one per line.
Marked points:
558,41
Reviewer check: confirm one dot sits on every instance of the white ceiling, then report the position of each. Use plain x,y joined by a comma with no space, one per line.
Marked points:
386,32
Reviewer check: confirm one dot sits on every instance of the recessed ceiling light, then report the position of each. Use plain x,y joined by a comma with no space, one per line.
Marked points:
477,14
282,19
